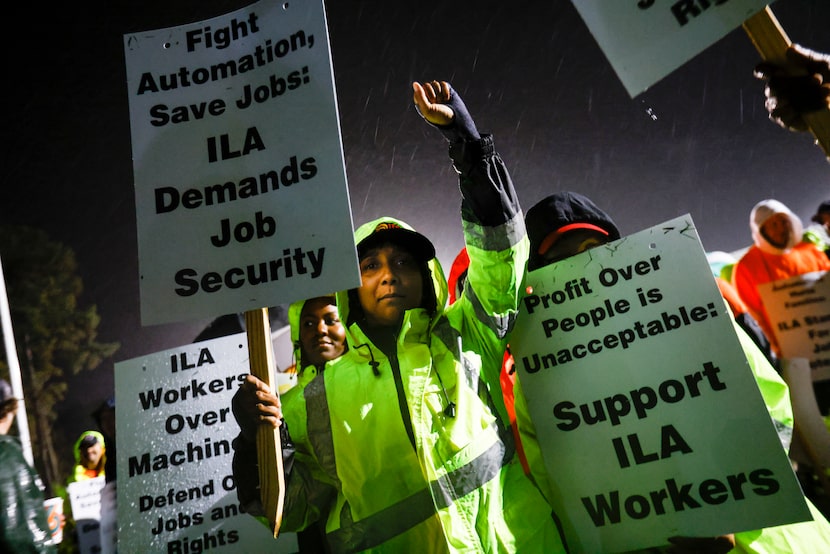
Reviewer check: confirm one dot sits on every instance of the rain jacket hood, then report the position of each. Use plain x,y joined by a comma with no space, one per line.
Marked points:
436,273
77,448
762,211
81,473
294,311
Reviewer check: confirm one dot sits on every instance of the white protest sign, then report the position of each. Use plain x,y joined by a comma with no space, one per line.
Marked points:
650,421
645,40
176,491
798,310
85,500
240,183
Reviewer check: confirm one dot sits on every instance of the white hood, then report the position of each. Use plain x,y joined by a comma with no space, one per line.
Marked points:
762,211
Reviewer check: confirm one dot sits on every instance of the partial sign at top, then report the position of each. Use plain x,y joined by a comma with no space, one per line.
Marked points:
645,40
240,183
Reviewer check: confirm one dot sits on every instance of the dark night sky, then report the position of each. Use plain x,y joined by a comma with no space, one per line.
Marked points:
530,72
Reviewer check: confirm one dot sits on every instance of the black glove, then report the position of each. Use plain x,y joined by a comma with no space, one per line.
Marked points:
247,423
246,476
799,86
246,471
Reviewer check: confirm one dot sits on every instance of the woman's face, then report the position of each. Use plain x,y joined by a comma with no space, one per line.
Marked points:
391,283
322,336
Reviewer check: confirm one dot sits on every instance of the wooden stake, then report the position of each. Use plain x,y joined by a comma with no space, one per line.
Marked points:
269,446
772,42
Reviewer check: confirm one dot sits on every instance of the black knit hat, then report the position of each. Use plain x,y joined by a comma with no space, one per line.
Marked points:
559,213
823,208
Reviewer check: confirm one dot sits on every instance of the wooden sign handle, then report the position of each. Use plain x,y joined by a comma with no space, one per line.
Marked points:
269,446
772,42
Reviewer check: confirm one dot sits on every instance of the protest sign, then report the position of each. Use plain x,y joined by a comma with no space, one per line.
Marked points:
237,158
85,500
176,491
798,310
646,40
649,419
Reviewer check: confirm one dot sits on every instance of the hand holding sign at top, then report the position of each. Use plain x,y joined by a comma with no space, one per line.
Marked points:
646,40
797,85
776,48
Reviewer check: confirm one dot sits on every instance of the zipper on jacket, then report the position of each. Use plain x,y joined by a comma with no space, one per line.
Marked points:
402,403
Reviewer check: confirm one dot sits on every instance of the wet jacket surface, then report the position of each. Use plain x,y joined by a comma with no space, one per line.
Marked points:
379,455
23,526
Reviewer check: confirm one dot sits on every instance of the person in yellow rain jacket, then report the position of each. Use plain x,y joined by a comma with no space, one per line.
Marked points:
403,443
318,337
90,456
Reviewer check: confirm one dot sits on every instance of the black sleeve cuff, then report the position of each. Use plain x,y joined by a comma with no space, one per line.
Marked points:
488,195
